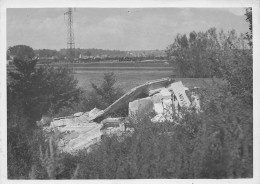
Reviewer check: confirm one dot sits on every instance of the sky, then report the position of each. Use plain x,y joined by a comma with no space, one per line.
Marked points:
116,28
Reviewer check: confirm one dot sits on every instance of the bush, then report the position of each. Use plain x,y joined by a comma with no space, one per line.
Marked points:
106,93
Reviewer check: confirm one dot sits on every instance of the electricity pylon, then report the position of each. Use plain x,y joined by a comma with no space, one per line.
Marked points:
70,36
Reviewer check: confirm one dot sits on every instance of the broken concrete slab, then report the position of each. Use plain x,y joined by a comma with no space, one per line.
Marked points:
112,122
137,92
94,113
141,107
165,93
159,90
157,98
87,137
78,114
154,91
77,132
70,121
179,91
158,108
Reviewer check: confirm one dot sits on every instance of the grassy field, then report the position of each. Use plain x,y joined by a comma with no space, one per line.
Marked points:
129,79
110,65
129,74
125,79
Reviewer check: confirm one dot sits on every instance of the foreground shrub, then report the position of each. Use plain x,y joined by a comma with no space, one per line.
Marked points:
217,143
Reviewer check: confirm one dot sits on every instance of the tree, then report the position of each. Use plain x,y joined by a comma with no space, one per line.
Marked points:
201,53
58,89
22,52
40,90
22,85
88,53
249,35
106,93
191,54
32,92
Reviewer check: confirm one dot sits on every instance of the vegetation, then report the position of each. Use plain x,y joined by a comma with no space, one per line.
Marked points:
47,53
98,97
214,144
106,94
201,54
33,92
21,51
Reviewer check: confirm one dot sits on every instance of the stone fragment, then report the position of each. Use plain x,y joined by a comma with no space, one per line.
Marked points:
78,114
113,122
165,93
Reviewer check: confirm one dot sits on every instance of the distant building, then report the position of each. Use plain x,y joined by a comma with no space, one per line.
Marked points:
103,56
84,56
47,58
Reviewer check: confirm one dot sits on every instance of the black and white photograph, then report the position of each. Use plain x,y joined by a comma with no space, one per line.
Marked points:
116,91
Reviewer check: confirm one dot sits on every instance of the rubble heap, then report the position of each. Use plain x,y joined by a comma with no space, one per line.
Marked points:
163,97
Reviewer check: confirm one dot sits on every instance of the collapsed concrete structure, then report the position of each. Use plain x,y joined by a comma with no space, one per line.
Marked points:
164,98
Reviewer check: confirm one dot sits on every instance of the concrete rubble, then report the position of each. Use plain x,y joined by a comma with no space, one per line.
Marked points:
161,98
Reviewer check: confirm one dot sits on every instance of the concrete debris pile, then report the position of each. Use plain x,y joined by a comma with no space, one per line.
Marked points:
163,97
77,131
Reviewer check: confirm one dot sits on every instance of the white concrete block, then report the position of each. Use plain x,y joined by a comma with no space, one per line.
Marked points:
140,107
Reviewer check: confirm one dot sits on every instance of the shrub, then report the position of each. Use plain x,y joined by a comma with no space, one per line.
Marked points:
106,93
58,89
214,144
217,143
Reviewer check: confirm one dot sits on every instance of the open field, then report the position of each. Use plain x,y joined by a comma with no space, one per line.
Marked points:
159,65
129,79
129,74
125,79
